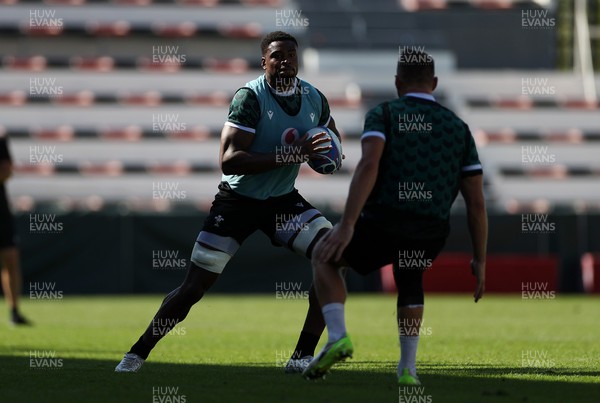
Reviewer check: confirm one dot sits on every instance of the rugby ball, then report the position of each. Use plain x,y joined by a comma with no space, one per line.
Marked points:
332,160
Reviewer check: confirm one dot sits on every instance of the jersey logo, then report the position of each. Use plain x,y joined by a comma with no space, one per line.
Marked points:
218,220
299,204
312,117
289,136
270,113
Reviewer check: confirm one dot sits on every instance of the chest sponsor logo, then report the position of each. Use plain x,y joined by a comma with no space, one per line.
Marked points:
289,136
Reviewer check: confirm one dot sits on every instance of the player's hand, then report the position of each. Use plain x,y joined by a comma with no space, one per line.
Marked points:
478,270
332,245
312,147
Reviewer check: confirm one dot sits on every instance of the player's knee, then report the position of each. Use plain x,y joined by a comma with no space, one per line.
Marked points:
308,236
191,293
410,287
410,298
211,260
9,259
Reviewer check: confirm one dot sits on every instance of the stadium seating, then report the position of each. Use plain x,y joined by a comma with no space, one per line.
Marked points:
134,94
116,94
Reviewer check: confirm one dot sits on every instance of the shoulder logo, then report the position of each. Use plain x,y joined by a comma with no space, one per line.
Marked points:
270,113
312,117
218,220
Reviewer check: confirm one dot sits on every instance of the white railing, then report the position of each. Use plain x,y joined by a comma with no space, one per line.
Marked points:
583,63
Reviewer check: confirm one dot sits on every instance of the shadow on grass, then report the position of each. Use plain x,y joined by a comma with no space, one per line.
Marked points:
83,380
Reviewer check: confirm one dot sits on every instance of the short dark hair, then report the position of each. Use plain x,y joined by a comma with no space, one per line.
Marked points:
274,37
415,66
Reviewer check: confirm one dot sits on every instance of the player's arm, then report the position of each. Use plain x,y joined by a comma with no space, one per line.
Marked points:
471,188
363,180
331,126
326,119
235,159
333,244
238,134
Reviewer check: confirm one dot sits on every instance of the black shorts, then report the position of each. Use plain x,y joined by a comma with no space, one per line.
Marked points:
372,247
8,233
287,220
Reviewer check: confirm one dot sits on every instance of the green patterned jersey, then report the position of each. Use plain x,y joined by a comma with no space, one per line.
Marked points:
428,149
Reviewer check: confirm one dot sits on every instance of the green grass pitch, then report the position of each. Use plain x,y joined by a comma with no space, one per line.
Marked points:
232,349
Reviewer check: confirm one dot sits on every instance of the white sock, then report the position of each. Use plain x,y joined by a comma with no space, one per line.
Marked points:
334,319
408,354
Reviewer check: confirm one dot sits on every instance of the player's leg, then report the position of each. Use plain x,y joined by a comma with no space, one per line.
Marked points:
331,291
175,308
409,315
11,277
368,251
226,227
313,326
11,282
410,303
10,268
297,225
204,269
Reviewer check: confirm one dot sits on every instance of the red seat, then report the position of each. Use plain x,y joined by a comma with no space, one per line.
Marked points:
504,273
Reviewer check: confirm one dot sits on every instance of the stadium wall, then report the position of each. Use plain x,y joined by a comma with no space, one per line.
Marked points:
148,253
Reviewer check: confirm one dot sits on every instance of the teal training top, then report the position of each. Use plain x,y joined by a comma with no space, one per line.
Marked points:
276,120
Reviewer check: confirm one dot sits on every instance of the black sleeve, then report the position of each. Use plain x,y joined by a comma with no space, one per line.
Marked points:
325,112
